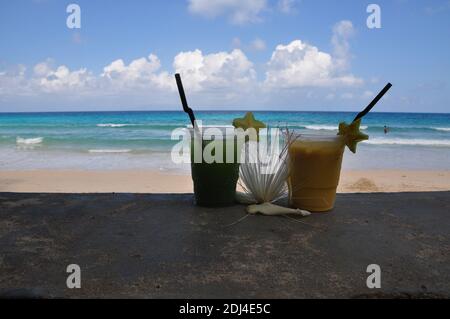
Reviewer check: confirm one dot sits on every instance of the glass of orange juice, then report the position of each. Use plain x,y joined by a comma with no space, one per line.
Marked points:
315,167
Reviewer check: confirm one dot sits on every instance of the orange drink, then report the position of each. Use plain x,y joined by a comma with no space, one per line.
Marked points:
315,166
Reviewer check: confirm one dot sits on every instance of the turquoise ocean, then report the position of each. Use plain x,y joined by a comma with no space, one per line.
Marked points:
142,140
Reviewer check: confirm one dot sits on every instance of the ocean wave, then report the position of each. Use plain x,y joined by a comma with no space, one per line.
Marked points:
114,125
109,151
328,127
29,141
409,128
402,141
211,126
153,126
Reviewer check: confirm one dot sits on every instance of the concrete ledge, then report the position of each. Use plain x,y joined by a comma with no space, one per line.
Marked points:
162,246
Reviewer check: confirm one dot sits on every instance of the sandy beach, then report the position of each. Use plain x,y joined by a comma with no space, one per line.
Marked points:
151,181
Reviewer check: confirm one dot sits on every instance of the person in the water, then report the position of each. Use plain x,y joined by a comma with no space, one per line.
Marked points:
386,129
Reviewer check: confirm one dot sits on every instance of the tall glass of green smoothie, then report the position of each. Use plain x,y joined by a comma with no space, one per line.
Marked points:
214,167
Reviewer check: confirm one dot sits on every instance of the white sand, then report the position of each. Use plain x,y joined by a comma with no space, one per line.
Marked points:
147,181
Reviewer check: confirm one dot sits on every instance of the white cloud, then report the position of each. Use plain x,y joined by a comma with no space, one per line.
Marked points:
230,71
42,69
142,73
60,79
238,11
220,78
47,78
343,31
214,71
299,64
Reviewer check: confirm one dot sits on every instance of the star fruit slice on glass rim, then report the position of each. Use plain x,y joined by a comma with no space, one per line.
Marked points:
248,121
352,134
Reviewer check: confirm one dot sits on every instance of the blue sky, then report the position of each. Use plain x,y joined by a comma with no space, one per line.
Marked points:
254,54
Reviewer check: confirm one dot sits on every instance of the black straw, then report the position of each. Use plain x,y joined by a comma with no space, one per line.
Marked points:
372,104
186,108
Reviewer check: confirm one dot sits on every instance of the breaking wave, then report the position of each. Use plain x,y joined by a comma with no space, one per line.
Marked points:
403,141
29,141
328,127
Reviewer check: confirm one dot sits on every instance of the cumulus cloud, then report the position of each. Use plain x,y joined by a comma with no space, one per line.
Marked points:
60,79
214,79
42,69
238,11
299,64
142,73
214,71
227,77
45,78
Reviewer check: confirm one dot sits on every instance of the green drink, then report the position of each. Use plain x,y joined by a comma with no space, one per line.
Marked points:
215,180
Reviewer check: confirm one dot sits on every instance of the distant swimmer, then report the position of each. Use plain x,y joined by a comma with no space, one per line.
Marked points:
386,129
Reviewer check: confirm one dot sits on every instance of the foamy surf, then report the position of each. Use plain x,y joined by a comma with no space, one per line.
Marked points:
110,151
402,141
445,129
29,141
114,125
328,127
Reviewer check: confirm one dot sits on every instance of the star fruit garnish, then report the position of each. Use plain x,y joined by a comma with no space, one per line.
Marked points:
352,134
248,121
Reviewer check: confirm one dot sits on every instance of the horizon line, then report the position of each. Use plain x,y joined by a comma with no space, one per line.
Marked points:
216,110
